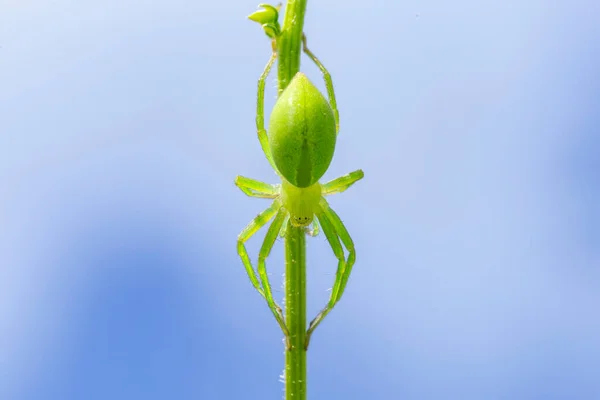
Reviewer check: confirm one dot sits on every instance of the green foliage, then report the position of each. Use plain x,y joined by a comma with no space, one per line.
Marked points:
268,17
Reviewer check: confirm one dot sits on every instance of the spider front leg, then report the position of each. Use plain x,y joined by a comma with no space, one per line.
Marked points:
348,244
260,108
258,222
264,252
334,230
328,82
284,226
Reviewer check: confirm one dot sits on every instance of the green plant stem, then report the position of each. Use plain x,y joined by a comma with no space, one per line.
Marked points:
295,310
289,45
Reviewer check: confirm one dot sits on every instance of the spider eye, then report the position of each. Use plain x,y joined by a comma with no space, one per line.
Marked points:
301,220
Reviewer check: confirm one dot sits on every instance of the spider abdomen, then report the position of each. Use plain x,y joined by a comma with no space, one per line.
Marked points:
302,133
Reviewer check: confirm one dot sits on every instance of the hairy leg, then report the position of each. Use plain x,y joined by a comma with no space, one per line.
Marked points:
258,222
284,226
328,83
342,183
264,252
334,242
254,188
260,108
348,244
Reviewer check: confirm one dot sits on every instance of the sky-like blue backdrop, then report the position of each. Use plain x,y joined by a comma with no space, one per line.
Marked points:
477,226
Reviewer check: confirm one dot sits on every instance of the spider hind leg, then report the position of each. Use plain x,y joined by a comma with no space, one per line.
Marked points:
328,82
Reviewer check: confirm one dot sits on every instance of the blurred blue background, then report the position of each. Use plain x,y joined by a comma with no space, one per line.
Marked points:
477,226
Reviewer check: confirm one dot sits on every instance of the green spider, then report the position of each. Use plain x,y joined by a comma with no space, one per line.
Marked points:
302,134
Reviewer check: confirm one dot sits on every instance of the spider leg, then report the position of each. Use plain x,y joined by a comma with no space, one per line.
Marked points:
254,188
348,244
342,183
265,249
284,226
334,230
258,222
260,108
338,251
328,83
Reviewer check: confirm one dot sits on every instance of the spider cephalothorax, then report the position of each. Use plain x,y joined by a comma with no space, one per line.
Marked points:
301,203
